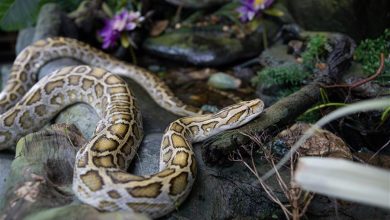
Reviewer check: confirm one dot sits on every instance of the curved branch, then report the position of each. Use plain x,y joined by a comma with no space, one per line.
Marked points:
361,82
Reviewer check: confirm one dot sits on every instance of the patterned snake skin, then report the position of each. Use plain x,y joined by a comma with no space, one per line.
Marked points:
31,59
100,177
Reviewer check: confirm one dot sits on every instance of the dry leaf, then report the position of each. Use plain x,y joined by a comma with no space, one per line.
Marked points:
322,143
158,27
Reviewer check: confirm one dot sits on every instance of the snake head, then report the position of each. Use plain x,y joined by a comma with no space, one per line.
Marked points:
255,106
242,112
252,109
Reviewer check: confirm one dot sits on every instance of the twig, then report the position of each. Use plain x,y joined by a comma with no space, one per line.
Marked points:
307,203
376,153
267,189
294,209
361,82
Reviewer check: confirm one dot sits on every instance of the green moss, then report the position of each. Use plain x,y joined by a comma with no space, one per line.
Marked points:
289,77
292,74
368,51
315,49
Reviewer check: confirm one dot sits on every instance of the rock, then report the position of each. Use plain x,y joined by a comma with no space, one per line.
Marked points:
197,3
223,81
208,47
49,22
82,116
147,161
5,164
25,38
245,74
5,69
276,56
353,17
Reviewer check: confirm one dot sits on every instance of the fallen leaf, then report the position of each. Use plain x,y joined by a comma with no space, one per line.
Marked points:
158,27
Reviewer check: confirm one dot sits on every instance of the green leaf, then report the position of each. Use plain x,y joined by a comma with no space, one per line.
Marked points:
274,12
106,8
17,14
125,40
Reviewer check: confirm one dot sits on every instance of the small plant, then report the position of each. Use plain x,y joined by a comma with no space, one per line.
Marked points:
292,74
118,26
368,51
315,49
288,76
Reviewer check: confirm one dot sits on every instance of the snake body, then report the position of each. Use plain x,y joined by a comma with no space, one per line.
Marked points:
24,72
100,177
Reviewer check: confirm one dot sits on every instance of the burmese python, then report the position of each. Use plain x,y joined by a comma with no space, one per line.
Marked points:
100,177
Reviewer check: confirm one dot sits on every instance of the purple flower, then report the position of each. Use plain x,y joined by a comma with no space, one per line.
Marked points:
109,35
124,21
127,20
250,8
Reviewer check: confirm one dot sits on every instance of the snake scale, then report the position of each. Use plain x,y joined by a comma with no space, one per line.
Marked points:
100,177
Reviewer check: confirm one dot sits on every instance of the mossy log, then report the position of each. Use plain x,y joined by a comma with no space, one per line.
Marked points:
40,181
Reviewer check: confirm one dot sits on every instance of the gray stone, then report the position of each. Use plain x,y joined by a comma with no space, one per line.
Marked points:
210,46
222,80
5,165
49,22
146,161
5,69
25,38
276,56
356,18
82,116
197,3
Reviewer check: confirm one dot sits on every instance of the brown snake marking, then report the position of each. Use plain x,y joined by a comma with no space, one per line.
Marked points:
100,177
